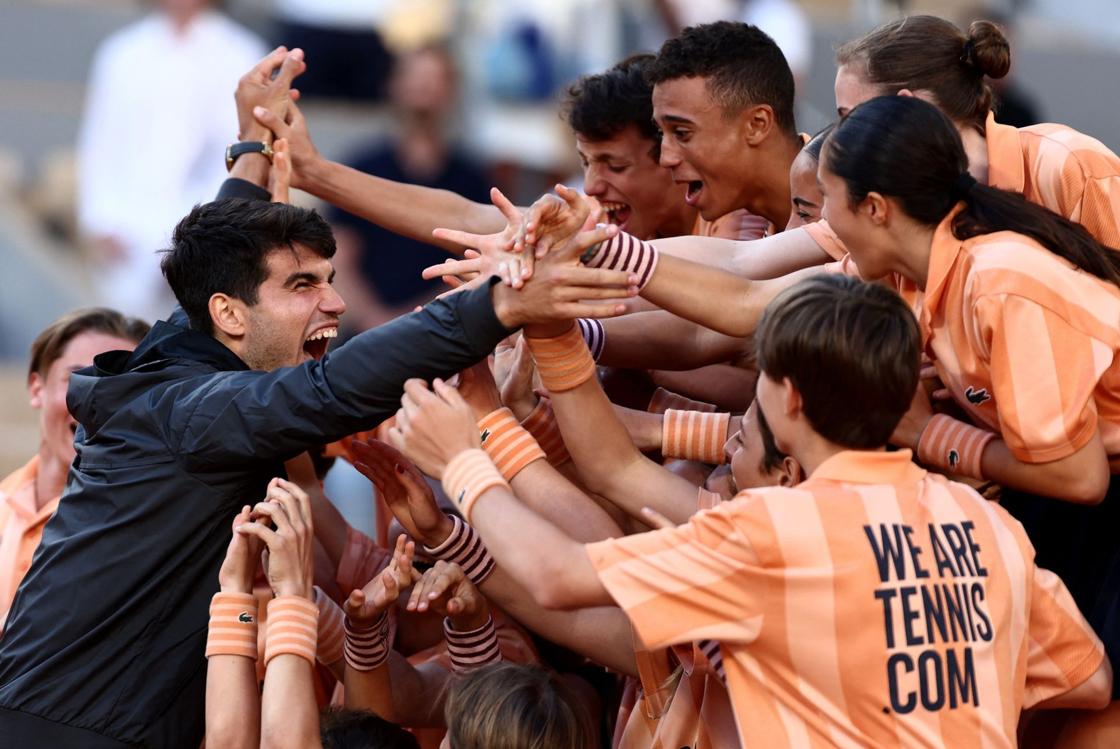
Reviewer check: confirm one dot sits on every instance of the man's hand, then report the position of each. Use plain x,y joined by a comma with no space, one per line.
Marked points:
293,128
243,555
495,250
363,607
258,88
433,427
447,591
400,485
554,219
516,375
479,390
280,176
291,546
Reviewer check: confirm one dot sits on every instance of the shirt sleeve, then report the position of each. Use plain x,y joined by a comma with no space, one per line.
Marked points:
361,559
701,580
821,233
1044,372
1099,209
1062,649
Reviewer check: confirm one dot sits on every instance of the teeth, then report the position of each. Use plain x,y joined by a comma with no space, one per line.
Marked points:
321,334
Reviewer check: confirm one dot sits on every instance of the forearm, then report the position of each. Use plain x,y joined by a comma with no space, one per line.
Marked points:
602,634
232,703
539,556
371,690
1081,478
662,340
542,488
643,427
725,302
769,257
418,692
289,713
409,210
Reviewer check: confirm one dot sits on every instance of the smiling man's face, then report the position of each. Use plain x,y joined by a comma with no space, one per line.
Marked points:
297,311
702,147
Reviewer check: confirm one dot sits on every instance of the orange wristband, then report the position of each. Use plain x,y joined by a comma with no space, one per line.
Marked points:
332,633
293,628
663,400
954,446
541,423
563,362
467,476
694,435
233,625
507,443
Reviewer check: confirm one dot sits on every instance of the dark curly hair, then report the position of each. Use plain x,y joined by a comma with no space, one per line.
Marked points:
600,106
222,247
743,67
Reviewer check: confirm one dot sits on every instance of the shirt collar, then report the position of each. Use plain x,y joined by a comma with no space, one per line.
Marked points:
12,490
1005,156
870,467
943,254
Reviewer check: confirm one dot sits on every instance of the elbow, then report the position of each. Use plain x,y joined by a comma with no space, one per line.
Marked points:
1098,693
551,590
1087,488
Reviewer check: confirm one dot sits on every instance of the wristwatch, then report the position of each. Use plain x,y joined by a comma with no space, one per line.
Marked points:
234,150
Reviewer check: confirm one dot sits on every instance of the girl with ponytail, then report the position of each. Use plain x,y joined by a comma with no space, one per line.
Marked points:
1020,312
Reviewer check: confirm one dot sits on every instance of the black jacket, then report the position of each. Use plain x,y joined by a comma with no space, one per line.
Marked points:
108,629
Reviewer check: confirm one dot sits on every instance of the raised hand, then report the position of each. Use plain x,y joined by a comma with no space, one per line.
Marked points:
446,590
433,427
363,607
280,176
243,555
477,386
554,219
516,376
258,88
495,250
291,544
404,490
292,127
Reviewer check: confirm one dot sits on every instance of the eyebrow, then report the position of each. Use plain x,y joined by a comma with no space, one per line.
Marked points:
677,118
802,202
300,276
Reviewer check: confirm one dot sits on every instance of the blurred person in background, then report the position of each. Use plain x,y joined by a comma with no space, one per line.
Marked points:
343,38
381,270
156,120
29,496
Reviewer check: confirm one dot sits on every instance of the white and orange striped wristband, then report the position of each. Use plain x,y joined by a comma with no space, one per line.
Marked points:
233,625
541,423
694,435
953,446
507,443
467,476
464,547
332,633
563,362
472,649
663,400
367,647
626,253
293,628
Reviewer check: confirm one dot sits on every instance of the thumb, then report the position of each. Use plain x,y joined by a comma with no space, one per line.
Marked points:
271,121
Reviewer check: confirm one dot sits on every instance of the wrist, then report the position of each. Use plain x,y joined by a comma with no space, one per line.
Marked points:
295,589
312,173
505,306
256,133
240,586
551,329
468,622
441,533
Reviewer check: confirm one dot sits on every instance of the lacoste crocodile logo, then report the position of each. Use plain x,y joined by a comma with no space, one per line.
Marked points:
485,434
954,458
976,397
246,617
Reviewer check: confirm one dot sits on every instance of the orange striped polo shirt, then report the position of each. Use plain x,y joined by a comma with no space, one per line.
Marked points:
874,604
1026,343
1054,166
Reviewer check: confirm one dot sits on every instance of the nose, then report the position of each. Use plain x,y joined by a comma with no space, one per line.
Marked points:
332,302
669,157
729,449
593,183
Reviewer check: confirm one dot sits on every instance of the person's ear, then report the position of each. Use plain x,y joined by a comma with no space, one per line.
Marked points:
919,93
228,315
756,123
36,384
877,208
789,472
